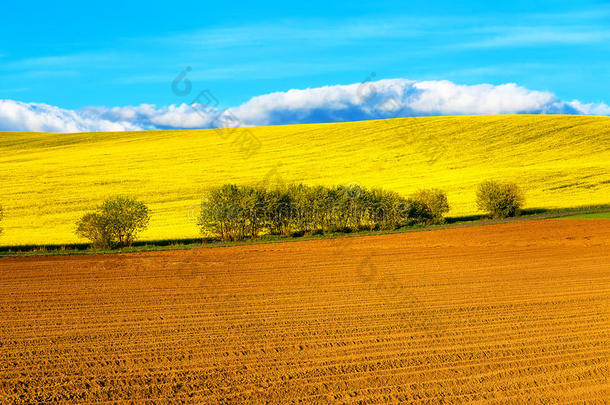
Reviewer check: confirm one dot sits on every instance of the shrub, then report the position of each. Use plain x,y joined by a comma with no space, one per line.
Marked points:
500,200
432,205
116,222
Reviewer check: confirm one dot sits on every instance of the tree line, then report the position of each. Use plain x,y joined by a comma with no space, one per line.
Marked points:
235,212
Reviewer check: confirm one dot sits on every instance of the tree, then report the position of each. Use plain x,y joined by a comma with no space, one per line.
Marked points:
1,216
434,203
355,201
340,205
500,200
279,211
231,212
387,209
302,208
115,223
254,209
320,208
220,211
95,227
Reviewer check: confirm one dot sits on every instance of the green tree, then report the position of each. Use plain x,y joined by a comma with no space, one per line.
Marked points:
115,223
302,208
433,204
221,213
320,208
355,200
232,212
337,205
386,209
253,203
279,211
95,227
500,200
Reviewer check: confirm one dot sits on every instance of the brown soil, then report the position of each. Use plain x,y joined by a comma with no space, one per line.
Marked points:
511,312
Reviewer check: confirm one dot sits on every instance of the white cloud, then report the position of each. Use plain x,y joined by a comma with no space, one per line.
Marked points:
402,98
444,97
360,101
18,116
590,109
37,117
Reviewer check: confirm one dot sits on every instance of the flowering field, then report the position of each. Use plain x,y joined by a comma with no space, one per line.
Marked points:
49,180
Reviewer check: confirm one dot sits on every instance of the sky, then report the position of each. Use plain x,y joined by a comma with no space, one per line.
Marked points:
76,66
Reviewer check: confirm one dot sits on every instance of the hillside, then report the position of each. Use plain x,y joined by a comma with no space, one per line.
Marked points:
49,180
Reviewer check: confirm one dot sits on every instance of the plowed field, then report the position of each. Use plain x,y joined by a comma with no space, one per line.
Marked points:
510,313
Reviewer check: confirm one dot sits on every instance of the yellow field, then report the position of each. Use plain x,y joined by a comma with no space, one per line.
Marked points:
49,180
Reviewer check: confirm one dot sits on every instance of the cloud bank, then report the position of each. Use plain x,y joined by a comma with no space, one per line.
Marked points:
388,98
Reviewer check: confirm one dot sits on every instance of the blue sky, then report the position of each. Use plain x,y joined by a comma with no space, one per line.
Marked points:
115,53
